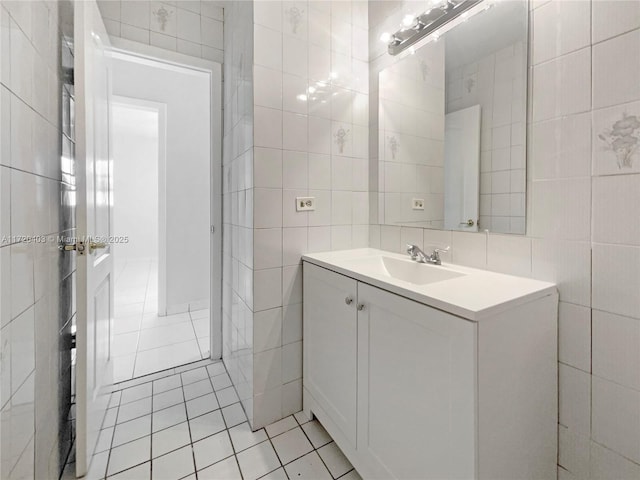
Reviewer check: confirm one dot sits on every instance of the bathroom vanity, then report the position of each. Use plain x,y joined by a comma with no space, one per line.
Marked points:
431,371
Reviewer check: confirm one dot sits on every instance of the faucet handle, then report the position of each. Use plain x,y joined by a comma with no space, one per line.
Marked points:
411,250
442,250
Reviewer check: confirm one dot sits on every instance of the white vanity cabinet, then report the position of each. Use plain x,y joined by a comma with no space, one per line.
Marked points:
413,392
329,348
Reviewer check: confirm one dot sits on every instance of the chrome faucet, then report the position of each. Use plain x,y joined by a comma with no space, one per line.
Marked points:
421,257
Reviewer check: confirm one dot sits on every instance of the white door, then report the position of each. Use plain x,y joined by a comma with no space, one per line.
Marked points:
462,169
94,287
330,357
416,389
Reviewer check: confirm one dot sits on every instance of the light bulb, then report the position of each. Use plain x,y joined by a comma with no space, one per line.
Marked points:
312,89
408,19
385,37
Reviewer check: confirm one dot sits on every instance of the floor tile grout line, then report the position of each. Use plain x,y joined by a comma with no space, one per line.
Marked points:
193,453
227,428
195,334
138,380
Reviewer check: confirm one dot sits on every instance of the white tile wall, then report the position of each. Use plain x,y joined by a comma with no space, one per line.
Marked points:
194,28
310,86
582,188
238,212
36,282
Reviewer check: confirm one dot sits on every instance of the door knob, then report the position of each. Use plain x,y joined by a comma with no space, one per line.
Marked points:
468,223
348,300
360,307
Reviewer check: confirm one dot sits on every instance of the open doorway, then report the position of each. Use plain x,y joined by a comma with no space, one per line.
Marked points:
164,207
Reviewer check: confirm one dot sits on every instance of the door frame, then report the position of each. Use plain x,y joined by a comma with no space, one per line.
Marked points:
134,51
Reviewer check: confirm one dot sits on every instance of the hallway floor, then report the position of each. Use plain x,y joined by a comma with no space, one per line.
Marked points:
143,341
190,425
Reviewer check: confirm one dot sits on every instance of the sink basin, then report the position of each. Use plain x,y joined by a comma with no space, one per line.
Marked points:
405,270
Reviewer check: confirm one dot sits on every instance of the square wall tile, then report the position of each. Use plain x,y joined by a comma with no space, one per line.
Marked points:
613,18
295,169
616,67
575,400
573,452
614,200
616,416
567,264
267,47
267,168
267,86
561,147
559,28
291,362
294,245
574,336
267,127
562,86
558,215
616,348
607,159
606,464
509,254
267,245
267,289
267,329
267,370
134,13
469,249
267,208
616,279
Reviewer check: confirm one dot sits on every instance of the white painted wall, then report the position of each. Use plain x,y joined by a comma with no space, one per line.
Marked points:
188,146
135,179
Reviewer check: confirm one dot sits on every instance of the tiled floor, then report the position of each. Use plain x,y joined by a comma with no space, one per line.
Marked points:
190,425
143,341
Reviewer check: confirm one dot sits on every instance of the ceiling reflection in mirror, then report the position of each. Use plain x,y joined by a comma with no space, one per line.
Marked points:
452,127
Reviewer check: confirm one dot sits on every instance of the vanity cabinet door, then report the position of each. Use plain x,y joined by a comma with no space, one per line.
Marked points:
330,338
416,389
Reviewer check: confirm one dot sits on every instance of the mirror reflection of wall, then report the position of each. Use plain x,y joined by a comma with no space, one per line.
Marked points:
411,112
473,80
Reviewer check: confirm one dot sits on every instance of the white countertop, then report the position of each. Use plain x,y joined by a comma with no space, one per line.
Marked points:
474,295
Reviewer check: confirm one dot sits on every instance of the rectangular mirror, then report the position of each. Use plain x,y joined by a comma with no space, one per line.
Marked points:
452,127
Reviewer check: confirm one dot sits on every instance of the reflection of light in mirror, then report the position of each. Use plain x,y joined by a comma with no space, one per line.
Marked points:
302,97
385,37
311,89
66,164
408,19
333,75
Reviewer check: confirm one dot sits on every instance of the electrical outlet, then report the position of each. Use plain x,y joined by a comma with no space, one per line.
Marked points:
417,204
305,204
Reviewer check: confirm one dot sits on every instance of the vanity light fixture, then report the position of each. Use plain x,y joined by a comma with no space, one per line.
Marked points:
427,23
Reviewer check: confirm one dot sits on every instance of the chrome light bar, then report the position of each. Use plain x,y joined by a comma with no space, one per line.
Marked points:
428,23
